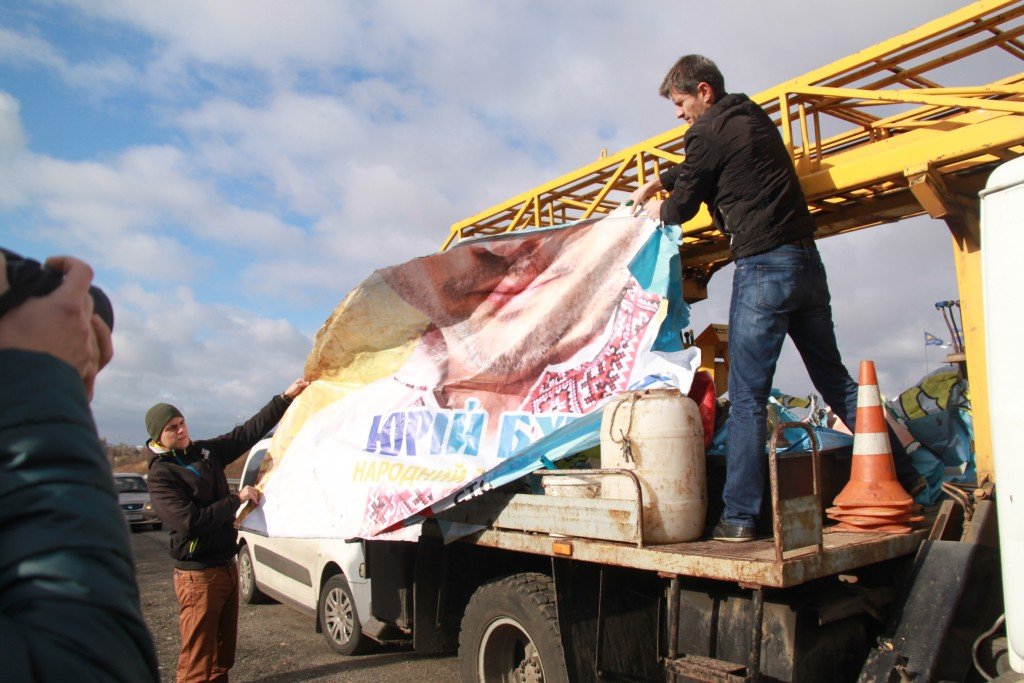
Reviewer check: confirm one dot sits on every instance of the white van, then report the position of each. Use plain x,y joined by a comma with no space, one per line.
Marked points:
323,578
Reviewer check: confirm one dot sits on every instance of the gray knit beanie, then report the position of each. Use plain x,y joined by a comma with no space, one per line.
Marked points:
157,418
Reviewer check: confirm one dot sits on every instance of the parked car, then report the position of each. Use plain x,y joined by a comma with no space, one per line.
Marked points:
322,578
133,497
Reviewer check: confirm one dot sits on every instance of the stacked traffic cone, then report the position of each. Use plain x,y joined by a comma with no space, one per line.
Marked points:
873,500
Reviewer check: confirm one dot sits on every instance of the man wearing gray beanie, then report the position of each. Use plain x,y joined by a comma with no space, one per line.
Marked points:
190,493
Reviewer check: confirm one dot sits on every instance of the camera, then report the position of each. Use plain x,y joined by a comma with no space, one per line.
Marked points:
28,278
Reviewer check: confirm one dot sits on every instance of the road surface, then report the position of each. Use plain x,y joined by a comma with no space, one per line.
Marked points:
276,644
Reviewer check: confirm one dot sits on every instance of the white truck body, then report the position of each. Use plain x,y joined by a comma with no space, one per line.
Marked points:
1002,220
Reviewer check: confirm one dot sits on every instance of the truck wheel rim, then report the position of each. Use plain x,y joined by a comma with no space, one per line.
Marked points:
507,653
339,615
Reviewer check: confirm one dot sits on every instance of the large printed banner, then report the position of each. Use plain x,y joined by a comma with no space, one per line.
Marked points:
446,376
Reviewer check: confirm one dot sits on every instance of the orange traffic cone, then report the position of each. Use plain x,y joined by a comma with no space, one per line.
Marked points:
873,500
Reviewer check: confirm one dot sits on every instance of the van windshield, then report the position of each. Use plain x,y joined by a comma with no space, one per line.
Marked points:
130,485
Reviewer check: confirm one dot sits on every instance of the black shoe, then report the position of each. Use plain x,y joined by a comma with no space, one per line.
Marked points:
732,532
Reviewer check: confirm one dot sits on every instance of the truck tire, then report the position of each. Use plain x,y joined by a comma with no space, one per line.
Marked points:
247,590
339,619
510,633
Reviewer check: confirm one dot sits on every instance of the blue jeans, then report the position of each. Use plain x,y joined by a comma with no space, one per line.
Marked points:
779,292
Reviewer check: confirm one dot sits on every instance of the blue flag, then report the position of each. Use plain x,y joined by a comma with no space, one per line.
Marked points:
931,340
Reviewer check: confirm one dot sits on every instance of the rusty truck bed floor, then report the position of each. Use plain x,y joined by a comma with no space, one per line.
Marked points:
612,532
843,551
753,563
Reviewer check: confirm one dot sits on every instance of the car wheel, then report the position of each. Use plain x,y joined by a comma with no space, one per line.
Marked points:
247,590
157,526
510,632
338,618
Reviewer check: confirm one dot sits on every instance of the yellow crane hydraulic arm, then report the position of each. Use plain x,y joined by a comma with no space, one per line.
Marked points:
893,131
875,137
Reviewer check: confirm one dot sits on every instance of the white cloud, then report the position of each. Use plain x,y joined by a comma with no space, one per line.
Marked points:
133,212
12,135
299,143
96,78
383,188
28,50
241,32
217,363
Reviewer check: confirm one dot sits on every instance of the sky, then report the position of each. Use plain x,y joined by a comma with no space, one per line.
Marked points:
232,169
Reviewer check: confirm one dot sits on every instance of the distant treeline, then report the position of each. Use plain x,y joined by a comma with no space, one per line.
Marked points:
125,457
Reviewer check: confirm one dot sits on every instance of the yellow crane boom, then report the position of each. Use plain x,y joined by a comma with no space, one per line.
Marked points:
884,134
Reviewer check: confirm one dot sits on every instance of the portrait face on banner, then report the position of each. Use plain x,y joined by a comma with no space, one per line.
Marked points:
510,305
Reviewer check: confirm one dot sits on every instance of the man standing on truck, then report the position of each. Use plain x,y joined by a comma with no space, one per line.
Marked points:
737,164
190,494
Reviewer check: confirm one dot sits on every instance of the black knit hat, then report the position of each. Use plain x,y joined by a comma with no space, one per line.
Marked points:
157,418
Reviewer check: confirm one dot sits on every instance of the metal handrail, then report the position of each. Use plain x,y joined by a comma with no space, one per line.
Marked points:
614,471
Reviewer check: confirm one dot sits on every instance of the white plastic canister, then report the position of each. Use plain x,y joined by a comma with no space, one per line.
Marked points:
658,434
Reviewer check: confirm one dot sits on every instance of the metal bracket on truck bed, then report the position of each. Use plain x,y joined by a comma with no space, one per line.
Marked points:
706,669
796,521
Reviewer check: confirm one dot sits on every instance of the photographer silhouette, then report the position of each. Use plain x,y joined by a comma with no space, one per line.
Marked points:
69,602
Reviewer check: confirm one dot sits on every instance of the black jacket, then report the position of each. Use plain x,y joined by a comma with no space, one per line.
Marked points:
69,602
190,492
737,164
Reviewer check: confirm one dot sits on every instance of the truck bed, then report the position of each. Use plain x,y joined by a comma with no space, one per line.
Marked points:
609,532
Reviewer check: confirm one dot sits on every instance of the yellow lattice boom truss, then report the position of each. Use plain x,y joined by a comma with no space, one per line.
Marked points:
884,134
896,130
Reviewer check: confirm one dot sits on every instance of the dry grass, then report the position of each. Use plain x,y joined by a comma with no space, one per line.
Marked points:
126,458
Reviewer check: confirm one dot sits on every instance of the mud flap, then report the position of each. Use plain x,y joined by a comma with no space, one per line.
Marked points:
429,635
609,621
954,594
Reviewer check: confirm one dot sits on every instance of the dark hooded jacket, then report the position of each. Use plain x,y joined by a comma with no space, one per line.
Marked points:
69,601
737,164
190,492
